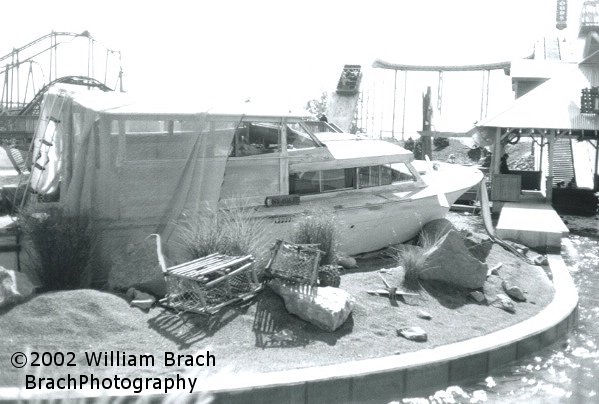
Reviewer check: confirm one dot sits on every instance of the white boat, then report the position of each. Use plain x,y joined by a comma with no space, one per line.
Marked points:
137,166
377,192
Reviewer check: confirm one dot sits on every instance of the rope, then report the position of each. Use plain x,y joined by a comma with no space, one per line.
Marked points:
486,214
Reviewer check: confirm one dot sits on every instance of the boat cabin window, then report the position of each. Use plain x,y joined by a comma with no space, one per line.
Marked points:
313,182
374,176
253,138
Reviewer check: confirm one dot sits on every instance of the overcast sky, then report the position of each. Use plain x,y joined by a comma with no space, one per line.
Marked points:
289,51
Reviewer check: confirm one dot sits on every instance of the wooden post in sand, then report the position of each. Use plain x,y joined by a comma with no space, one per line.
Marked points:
427,112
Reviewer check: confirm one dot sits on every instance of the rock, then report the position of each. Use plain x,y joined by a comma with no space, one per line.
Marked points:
424,315
413,334
14,287
436,228
347,262
494,270
479,245
327,307
513,291
541,260
137,266
478,296
139,299
492,287
450,261
519,247
504,302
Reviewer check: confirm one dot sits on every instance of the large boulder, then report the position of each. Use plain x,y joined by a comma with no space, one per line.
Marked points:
436,229
14,287
450,261
479,245
137,266
326,308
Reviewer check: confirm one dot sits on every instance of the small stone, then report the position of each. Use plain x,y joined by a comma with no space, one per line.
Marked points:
416,334
424,315
494,270
519,247
504,303
541,260
139,299
513,291
347,262
479,297
283,336
15,287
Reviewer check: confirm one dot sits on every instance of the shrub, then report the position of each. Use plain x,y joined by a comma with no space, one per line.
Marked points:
412,258
412,261
319,228
415,146
227,231
63,246
440,142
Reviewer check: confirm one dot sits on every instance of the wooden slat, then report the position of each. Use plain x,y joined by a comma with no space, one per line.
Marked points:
192,262
229,275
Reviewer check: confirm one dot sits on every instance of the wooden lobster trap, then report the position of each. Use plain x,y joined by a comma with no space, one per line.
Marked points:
294,262
208,284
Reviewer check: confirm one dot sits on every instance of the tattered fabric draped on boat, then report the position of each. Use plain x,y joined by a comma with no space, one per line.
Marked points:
135,173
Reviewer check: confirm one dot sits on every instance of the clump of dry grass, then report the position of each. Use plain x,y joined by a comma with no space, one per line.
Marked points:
63,246
412,259
319,228
227,231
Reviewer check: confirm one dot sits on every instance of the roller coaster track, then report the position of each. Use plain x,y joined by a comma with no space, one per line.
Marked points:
33,106
15,52
15,101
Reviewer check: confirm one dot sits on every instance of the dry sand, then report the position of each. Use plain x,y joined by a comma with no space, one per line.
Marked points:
241,337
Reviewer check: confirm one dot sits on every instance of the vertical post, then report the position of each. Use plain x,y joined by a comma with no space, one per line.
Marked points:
403,115
18,86
394,94
284,161
596,176
427,112
497,152
549,179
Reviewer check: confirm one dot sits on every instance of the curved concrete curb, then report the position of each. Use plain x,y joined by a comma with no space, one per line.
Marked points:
392,377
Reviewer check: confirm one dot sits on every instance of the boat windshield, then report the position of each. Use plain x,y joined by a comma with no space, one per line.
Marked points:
320,127
298,137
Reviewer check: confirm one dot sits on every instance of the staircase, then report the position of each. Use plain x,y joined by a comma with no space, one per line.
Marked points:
563,166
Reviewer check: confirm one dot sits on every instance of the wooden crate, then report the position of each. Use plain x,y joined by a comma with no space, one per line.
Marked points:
208,284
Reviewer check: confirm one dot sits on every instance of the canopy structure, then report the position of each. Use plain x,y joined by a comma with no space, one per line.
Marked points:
550,111
137,167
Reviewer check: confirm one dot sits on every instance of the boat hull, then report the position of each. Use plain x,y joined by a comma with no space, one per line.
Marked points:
368,226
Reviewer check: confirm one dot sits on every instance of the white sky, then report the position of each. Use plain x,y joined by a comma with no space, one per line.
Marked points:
284,51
